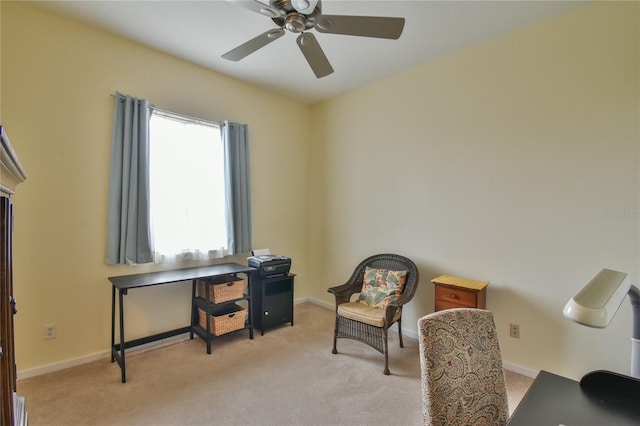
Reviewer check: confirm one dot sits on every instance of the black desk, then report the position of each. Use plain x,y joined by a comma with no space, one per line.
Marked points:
555,400
124,283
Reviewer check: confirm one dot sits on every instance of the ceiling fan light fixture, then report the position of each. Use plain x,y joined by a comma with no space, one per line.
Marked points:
301,4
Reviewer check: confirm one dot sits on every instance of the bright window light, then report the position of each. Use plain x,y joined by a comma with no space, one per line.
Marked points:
187,189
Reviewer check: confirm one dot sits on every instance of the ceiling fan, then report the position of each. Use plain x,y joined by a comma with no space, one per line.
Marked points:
299,16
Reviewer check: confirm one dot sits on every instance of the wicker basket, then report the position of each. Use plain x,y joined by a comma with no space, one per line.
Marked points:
226,320
223,288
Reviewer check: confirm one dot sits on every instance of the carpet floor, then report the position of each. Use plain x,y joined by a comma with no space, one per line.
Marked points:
286,377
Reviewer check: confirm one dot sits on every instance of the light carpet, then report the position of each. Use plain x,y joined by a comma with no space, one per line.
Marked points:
286,377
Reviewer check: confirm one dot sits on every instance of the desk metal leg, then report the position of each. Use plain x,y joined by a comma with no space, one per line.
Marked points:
207,316
194,311
122,350
113,322
251,301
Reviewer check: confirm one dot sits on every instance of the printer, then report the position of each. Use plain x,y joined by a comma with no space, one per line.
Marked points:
269,265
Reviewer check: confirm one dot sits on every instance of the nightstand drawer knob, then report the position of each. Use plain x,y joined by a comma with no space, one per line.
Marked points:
454,296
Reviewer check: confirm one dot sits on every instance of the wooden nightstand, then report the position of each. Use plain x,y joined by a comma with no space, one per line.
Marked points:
456,292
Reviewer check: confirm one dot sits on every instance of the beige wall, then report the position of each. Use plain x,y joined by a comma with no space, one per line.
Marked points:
514,161
57,77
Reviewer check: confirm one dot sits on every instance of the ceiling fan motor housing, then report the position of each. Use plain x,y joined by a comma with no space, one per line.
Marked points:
293,20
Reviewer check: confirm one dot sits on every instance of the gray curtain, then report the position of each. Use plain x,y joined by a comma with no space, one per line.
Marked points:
128,216
238,212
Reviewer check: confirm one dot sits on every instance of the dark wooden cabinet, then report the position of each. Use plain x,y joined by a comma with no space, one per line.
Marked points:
12,174
7,355
272,302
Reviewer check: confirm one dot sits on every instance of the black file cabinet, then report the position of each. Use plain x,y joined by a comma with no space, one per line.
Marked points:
272,301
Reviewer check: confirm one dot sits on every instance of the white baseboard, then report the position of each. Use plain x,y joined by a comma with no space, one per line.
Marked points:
315,302
50,368
519,369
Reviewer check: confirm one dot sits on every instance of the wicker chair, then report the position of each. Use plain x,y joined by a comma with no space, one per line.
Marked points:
462,377
370,325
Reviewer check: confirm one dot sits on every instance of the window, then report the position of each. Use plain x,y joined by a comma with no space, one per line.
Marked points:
187,188
201,186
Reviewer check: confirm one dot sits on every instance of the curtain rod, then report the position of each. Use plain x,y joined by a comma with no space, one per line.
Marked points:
178,115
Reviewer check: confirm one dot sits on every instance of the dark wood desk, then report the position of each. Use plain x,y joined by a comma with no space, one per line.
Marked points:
124,283
556,400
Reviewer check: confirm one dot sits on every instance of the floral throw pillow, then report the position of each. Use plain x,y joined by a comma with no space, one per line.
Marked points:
381,286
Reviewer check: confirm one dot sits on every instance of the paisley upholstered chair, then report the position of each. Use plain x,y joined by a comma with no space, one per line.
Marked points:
383,283
462,377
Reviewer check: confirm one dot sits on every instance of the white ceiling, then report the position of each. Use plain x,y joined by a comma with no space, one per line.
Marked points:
201,31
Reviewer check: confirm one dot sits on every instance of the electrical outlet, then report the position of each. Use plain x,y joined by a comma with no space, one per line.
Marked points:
50,331
514,330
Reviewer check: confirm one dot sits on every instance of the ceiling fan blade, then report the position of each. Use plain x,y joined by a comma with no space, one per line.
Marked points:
364,26
254,44
316,58
259,7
